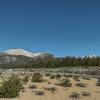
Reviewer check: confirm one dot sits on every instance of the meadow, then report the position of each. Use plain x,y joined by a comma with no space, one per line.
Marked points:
40,85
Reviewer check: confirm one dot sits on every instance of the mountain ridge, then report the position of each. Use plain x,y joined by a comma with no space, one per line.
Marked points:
20,58
23,53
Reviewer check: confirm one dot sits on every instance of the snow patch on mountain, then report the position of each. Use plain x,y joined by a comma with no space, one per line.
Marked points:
22,52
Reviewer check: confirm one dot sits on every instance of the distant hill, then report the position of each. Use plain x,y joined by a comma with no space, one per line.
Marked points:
20,58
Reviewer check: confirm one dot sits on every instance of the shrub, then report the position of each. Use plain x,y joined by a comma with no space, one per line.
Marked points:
52,76
81,84
37,77
98,79
58,76
47,74
40,93
52,89
49,82
32,86
23,89
25,79
64,75
65,83
85,93
75,95
98,82
11,87
86,77
67,75
76,78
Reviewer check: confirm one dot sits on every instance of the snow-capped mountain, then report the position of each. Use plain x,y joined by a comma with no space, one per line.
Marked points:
22,52
22,58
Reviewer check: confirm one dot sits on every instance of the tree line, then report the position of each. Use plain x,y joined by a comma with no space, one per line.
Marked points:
52,62
65,62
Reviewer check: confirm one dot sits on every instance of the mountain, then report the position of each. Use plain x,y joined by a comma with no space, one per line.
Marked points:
22,58
7,60
23,53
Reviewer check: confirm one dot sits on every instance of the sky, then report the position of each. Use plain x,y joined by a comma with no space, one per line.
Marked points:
60,27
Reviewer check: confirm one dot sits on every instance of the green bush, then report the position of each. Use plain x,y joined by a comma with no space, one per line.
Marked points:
23,89
74,95
76,77
25,79
67,75
98,82
81,84
37,77
47,74
40,93
52,89
52,76
86,77
58,76
85,93
32,86
11,87
65,83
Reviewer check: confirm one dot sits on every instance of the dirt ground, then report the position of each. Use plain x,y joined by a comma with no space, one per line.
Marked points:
62,93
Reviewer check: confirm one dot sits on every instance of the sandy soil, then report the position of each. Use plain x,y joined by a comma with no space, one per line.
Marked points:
62,93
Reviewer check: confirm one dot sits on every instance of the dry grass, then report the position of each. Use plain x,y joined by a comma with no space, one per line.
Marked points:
47,90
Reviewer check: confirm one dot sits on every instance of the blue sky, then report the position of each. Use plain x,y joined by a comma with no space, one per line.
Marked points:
61,27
